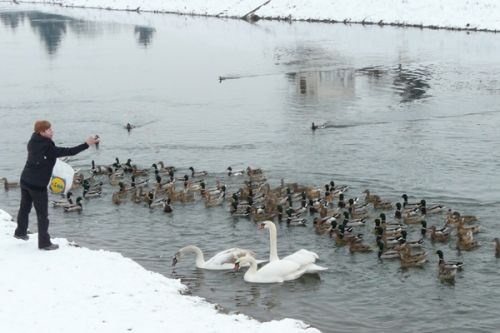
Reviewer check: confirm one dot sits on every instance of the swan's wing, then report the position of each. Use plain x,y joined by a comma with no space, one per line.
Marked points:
307,253
302,257
313,268
278,271
279,268
229,256
295,274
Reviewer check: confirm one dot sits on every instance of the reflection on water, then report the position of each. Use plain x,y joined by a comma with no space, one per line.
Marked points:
374,72
304,56
144,35
12,19
53,27
338,82
412,83
409,83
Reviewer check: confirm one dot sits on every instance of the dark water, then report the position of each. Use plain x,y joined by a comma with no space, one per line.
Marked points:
412,111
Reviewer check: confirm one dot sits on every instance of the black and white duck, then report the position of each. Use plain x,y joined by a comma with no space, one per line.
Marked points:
67,201
136,183
231,172
384,252
100,169
76,207
197,174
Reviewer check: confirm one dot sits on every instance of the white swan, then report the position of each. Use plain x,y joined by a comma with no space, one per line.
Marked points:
273,272
302,257
220,261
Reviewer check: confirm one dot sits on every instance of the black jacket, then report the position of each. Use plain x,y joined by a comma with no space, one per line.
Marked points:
42,154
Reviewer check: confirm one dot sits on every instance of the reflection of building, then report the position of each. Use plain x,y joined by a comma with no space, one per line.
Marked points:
338,82
144,35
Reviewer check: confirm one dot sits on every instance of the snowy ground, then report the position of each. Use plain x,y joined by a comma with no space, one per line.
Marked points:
78,290
453,14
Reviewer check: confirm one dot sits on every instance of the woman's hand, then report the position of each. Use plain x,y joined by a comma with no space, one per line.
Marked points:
92,140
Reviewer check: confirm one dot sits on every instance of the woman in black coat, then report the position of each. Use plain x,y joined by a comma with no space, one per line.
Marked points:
42,155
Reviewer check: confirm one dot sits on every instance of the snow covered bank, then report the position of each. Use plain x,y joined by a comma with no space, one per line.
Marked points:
450,14
78,290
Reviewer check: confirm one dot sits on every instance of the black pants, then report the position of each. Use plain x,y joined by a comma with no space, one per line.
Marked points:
40,200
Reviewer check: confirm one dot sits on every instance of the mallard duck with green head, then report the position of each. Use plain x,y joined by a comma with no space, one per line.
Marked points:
76,207
67,201
447,270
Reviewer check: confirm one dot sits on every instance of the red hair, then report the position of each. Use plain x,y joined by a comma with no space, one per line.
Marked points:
41,126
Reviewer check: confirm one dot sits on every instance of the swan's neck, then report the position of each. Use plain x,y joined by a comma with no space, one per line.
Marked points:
200,258
252,269
273,247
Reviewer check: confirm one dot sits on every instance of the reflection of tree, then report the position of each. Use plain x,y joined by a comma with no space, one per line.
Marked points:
412,84
50,27
144,35
12,19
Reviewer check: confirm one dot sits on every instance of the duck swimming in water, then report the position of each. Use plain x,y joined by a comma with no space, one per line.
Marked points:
197,174
497,247
129,127
100,169
139,183
8,185
447,270
356,245
77,207
384,252
67,201
466,241
166,206
407,204
231,172
442,235
315,127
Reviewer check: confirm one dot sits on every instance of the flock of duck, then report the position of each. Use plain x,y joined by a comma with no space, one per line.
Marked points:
333,213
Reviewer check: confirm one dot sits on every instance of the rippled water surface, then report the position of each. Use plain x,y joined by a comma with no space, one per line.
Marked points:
414,111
